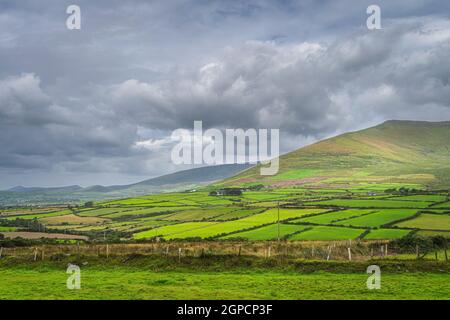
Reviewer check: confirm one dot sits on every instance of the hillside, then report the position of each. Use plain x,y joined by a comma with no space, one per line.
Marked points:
177,181
396,152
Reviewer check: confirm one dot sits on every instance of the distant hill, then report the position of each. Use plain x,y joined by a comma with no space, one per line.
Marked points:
394,152
177,181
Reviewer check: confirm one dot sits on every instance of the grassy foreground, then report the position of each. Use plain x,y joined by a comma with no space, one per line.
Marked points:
245,280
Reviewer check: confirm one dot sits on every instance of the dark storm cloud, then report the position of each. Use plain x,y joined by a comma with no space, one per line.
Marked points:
98,105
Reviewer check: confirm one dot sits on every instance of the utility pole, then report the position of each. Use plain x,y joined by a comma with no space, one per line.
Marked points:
278,222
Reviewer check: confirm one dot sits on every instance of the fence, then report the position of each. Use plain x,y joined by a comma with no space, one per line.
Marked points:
338,250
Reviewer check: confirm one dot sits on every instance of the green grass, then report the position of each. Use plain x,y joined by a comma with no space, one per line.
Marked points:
328,218
443,205
379,218
356,203
237,214
427,221
40,215
121,282
171,229
427,198
384,234
200,214
7,229
296,174
269,232
328,233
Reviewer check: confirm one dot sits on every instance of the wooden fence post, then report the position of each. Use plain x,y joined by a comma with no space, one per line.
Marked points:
445,252
385,250
35,254
349,254
268,252
329,253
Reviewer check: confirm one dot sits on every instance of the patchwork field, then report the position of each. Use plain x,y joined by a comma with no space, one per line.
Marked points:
302,214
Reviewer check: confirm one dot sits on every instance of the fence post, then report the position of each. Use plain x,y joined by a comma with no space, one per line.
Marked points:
382,251
385,250
35,254
329,253
179,254
107,251
349,254
312,252
268,252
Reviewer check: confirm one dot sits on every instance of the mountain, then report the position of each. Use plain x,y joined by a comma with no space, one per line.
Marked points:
42,189
177,181
394,152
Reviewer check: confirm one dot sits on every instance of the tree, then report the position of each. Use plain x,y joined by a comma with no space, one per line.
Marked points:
89,204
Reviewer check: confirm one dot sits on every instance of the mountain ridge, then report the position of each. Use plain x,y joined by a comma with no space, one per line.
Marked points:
400,151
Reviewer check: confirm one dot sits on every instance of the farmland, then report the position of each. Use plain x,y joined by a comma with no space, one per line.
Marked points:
303,214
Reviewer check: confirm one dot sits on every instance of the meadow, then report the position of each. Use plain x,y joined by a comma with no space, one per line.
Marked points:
230,278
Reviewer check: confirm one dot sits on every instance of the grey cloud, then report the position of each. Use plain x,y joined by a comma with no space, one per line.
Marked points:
74,104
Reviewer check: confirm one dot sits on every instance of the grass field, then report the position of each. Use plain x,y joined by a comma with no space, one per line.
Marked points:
269,232
380,234
378,218
153,280
357,203
328,233
198,215
428,221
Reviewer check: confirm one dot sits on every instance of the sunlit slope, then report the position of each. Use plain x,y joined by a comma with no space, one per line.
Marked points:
403,152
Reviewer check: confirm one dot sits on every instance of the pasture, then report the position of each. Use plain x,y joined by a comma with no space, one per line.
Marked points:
303,214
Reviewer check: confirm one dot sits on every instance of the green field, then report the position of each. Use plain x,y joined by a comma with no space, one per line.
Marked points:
428,221
126,283
328,218
382,234
378,218
356,203
248,216
328,233
269,232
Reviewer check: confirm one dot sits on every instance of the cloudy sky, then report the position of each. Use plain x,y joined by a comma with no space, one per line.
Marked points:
98,105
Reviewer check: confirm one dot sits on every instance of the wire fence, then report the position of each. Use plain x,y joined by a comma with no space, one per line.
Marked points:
329,251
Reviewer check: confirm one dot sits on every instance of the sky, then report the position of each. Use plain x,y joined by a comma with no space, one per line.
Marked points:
98,105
